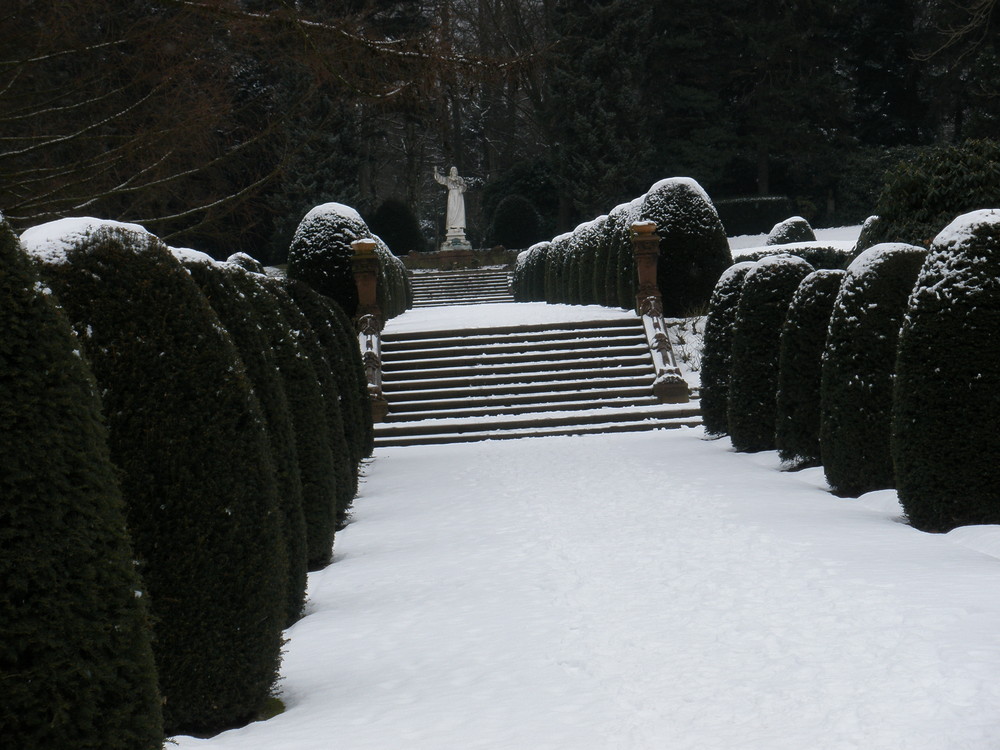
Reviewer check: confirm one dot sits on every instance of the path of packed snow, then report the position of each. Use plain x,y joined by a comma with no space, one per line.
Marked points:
649,590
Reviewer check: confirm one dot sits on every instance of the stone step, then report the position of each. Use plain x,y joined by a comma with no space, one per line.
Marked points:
461,407
529,333
514,347
536,399
520,378
478,357
499,373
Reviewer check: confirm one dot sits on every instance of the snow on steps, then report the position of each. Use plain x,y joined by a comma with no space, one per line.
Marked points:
465,287
566,378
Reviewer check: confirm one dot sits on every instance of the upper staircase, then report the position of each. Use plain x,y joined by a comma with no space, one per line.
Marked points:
469,287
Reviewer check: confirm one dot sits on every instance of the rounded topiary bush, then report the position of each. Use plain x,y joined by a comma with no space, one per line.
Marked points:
945,411
794,229
515,223
716,358
555,269
620,282
308,412
815,254
397,225
219,283
803,340
694,250
586,241
187,435
867,236
393,287
519,277
599,269
320,253
859,365
246,262
534,272
76,663
923,194
768,288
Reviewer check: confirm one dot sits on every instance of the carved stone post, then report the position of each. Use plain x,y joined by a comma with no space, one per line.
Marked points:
668,386
368,322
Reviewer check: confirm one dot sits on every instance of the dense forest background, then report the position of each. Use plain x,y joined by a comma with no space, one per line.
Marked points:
219,123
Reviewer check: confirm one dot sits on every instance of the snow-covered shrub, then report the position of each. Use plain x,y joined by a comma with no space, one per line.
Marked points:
188,438
555,269
519,277
923,194
320,253
535,262
816,254
586,240
599,271
246,262
573,261
768,288
803,339
793,229
716,360
220,283
859,368
321,522
516,223
308,412
394,294
866,238
694,250
945,411
621,281
77,667
340,350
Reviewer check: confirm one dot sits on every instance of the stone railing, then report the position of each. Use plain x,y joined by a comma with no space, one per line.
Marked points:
369,321
669,385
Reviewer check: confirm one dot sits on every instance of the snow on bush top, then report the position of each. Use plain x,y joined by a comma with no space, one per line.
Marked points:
686,183
246,262
875,256
792,229
51,242
774,263
737,269
186,255
333,209
951,265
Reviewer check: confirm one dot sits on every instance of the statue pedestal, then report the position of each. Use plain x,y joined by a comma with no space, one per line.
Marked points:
455,240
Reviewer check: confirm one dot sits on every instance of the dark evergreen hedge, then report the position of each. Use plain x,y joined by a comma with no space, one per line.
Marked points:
320,253
75,658
946,409
793,229
867,237
924,193
516,223
621,282
188,437
246,262
397,225
694,250
308,411
753,214
768,288
344,467
803,340
220,285
519,277
716,359
394,295
599,270
817,256
859,368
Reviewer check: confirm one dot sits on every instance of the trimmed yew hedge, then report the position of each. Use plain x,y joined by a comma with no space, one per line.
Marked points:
793,229
859,368
716,359
187,435
803,341
767,290
945,411
76,663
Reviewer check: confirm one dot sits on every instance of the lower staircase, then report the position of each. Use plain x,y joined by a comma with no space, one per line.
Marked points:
526,381
468,287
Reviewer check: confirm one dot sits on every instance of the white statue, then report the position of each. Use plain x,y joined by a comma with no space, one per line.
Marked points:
455,216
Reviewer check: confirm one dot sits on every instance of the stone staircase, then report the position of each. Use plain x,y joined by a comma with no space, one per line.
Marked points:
527,381
468,287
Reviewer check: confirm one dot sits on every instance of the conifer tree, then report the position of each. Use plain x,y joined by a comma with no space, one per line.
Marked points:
75,662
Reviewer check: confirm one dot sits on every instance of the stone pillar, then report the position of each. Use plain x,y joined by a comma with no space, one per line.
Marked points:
646,249
368,322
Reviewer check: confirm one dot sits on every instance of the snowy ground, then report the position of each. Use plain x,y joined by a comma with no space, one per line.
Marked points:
649,590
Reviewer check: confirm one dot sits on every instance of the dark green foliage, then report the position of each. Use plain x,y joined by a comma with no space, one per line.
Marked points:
320,253
866,238
753,214
946,410
586,239
794,229
619,290
693,247
341,352
187,435
519,276
859,368
601,258
817,256
344,467
574,259
397,225
768,288
555,267
716,358
393,290
532,288
75,661
308,412
531,179
803,340
923,194
221,285
515,223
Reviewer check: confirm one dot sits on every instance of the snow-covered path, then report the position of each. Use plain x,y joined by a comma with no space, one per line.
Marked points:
650,590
